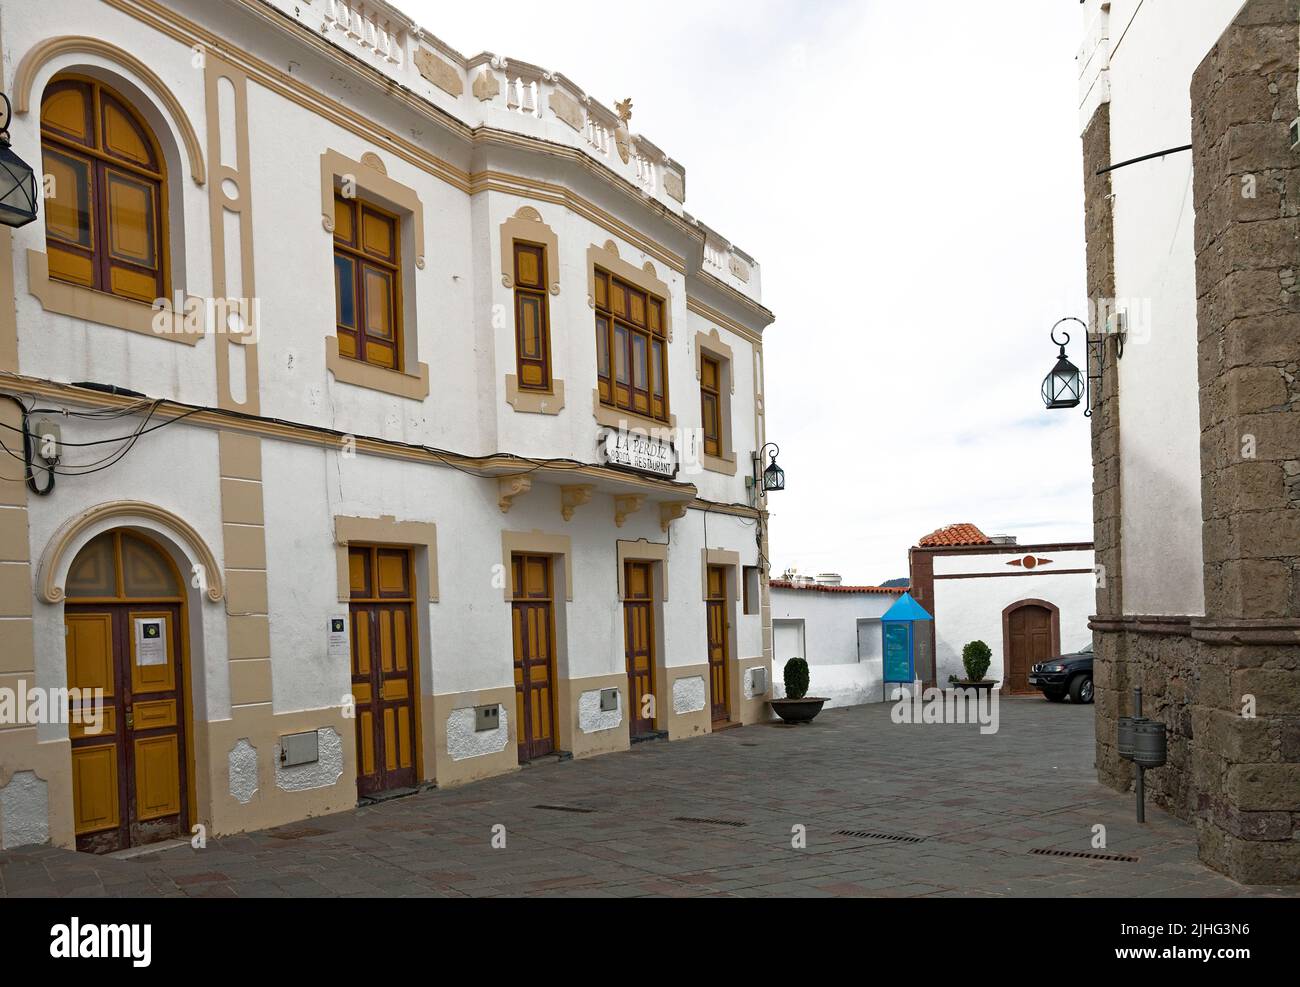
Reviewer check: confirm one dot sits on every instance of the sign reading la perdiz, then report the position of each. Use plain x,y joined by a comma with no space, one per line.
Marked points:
646,451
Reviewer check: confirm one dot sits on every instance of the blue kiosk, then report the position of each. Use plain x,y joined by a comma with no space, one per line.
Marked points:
906,647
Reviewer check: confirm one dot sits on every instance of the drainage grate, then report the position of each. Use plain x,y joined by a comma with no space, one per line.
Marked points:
562,808
861,834
708,822
1122,858
295,834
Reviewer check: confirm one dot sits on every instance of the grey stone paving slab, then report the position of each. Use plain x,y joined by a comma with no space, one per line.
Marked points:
981,803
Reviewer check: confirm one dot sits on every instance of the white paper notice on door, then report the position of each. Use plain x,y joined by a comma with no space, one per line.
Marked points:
151,640
338,638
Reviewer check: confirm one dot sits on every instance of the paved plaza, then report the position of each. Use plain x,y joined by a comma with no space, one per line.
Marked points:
888,810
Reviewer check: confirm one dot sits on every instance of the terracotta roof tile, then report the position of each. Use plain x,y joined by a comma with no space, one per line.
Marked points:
955,534
785,584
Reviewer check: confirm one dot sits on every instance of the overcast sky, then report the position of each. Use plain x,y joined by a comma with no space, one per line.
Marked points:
909,177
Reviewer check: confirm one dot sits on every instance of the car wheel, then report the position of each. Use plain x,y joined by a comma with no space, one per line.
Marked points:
1054,697
1081,689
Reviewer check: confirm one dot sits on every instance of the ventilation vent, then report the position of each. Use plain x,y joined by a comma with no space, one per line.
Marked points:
861,834
708,822
1121,858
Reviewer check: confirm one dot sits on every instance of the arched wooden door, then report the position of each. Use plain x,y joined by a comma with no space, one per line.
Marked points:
1030,635
124,617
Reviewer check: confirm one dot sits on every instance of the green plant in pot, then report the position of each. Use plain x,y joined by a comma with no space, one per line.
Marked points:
797,706
976,657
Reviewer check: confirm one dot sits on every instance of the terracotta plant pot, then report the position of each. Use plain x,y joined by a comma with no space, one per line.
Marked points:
798,710
982,684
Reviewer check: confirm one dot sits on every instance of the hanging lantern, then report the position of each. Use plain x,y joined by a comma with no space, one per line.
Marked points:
1064,386
773,476
17,180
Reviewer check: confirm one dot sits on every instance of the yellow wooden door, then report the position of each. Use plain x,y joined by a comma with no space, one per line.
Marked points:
638,642
534,636
719,627
383,668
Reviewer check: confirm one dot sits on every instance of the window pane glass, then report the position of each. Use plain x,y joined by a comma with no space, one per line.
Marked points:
530,332
94,571
620,354
640,371
67,211
657,367
130,219
378,293
345,290
602,346
145,573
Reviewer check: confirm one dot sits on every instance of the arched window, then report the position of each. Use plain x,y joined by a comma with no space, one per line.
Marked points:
105,222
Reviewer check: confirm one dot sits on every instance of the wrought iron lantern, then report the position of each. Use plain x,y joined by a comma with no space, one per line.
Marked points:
772,478
1065,386
17,180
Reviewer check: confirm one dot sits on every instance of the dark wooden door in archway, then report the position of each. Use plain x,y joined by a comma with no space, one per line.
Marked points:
1029,641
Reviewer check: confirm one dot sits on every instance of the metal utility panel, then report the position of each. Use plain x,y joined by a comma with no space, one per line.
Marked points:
486,718
608,700
299,748
758,681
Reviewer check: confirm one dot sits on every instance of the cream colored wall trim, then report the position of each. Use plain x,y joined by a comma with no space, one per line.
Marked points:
717,556
712,344
358,373
572,738
8,305
102,308
535,402
41,53
434,713
641,551
56,559
713,315
385,530
682,726
527,225
645,278
536,543
626,505
670,511
573,496
336,168
231,192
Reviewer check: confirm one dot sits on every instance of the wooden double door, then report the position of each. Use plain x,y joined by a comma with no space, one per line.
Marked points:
532,612
1029,641
383,667
638,639
719,627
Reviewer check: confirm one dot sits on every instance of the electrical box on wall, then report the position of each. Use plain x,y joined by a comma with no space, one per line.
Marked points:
758,681
608,700
299,748
487,718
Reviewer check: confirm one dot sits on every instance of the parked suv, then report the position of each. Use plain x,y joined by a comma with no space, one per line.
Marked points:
1066,675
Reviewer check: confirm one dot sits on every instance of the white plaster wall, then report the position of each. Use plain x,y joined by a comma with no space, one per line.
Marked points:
1155,49
830,620
24,811
971,609
593,719
840,685
464,742
323,773
242,761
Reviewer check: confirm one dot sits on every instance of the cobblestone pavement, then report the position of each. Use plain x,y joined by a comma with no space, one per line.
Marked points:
713,816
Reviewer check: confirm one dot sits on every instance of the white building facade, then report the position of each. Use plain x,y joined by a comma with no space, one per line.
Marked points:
435,457
836,629
1028,603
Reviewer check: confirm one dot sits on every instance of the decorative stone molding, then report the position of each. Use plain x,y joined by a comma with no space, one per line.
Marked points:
712,344
386,530
675,185
486,86
573,497
671,511
535,402
640,551
57,557
537,543
626,505
646,278
442,74
739,269
567,110
510,487
43,52
399,383
718,556
527,225
370,175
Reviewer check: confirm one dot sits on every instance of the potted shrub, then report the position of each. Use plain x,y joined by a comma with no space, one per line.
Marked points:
976,657
797,706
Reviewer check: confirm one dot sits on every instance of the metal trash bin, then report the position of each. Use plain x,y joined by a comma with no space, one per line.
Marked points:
1150,744
1125,741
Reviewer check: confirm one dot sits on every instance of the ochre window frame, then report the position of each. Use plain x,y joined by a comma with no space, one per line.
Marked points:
651,326
527,226
537,292
709,346
355,252
93,152
711,366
